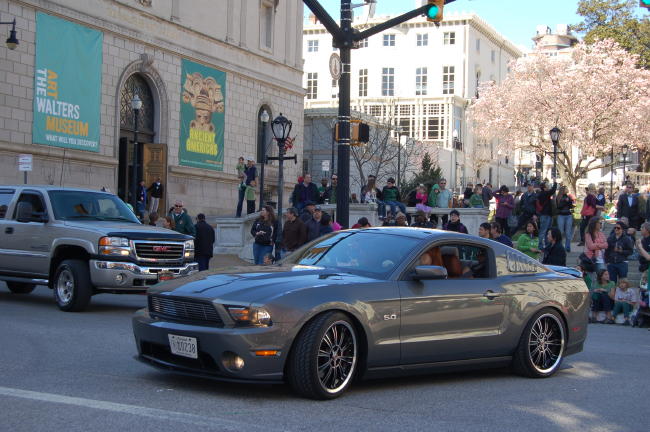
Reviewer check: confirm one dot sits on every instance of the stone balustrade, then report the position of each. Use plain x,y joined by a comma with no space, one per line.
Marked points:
233,234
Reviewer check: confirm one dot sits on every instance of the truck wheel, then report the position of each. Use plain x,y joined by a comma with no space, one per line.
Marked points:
72,287
20,288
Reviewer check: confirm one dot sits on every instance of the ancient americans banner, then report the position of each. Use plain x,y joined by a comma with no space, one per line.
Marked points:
67,84
203,106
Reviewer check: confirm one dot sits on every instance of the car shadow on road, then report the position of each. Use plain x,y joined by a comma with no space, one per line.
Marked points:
99,304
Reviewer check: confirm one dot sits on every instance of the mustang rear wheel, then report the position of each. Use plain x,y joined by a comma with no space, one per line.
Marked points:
542,345
324,357
72,286
20,287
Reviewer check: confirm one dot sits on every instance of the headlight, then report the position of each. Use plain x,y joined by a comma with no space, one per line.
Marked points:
250,316
189,249
114,246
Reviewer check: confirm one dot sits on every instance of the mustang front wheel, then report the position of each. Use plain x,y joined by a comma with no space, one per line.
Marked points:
324,357
541,347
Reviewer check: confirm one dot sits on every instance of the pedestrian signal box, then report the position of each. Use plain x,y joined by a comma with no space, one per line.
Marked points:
359,132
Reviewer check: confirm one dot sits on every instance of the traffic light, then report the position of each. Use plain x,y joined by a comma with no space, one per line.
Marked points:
434,13
644,4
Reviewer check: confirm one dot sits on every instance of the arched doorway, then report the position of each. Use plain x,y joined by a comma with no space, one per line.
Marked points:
134,84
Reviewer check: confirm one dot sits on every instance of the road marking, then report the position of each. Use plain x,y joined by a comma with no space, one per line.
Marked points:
141,411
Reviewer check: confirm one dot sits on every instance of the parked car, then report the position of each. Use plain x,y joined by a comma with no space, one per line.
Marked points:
83,242
367,303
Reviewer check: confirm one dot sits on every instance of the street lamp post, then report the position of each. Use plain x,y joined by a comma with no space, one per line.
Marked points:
625,148
136,104
281,127
611,178
498,169
555,138
264,118
399,156
457,145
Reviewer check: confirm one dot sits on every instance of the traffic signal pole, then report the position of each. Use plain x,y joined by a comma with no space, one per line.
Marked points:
344,38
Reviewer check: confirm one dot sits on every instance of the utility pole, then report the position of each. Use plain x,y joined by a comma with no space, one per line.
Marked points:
345,39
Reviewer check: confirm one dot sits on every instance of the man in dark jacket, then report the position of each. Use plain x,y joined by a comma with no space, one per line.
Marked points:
487,194
155,191
307,192
619,247
544,211
313,224
308,212
527,206
203,242
628,206
294,233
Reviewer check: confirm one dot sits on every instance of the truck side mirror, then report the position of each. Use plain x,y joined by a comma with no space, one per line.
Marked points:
24,211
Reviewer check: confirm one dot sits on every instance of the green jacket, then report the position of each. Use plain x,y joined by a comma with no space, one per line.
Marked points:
433,196
250,193
183,223
525,243
476,201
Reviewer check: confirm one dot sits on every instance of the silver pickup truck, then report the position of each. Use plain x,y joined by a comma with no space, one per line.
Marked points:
82,242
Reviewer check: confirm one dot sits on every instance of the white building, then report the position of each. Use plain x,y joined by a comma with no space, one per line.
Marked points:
253,48
421,77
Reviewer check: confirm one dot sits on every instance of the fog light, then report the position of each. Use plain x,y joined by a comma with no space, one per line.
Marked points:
119,278
232,361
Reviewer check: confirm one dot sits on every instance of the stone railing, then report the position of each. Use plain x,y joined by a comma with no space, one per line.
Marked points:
233,234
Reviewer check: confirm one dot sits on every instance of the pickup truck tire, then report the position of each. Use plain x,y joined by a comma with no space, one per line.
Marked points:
72,286
20,287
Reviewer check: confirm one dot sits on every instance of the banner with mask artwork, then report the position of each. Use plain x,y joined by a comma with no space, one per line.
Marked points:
203,106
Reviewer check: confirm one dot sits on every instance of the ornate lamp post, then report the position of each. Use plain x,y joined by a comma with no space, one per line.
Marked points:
624,154
555,138
136,104
281,127
264,118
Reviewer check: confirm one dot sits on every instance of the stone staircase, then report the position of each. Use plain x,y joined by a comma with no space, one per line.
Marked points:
633,273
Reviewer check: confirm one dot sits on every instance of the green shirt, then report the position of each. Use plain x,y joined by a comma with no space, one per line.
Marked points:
594,286
476,201
524,244
390,193
250,193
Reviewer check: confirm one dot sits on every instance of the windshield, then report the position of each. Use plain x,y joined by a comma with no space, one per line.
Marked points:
83,205
374,253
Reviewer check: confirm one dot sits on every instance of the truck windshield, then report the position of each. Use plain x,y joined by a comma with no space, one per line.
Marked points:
71,205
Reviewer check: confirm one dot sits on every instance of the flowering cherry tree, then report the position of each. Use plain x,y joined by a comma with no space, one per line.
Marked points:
598,97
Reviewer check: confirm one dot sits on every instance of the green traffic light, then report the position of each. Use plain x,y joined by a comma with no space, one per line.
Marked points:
433,11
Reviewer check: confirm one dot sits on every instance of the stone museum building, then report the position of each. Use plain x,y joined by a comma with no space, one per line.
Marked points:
187,81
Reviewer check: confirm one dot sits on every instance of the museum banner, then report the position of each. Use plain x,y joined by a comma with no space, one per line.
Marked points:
203,107
67,84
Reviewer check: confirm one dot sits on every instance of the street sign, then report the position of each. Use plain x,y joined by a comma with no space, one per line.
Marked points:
325,165
24,162
335,66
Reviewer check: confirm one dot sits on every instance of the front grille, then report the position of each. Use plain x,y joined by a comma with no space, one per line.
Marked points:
158,251
184,310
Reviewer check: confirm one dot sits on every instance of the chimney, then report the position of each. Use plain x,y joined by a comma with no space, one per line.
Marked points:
313,19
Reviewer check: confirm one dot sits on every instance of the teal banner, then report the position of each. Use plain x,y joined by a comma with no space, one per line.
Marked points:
203,106
67,84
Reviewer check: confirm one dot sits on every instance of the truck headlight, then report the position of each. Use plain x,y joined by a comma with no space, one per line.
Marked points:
114,246
189,249
250,316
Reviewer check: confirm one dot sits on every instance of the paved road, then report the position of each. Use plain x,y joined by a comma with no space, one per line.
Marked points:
76,372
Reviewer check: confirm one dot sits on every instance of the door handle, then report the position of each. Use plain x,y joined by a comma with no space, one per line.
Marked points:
9,230
491,294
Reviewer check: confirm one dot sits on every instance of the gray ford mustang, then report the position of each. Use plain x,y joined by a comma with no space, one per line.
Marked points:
367,303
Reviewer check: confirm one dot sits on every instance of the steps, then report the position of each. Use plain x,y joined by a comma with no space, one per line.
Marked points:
633,273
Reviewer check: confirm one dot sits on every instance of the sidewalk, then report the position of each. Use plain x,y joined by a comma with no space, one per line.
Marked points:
221,261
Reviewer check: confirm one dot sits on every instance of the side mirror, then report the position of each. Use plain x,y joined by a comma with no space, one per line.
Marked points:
430,273
24,212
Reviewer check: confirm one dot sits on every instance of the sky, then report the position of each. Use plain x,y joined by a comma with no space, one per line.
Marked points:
514,19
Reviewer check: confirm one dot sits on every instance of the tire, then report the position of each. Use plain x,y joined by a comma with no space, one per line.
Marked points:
542,345
20,287
72,286
324,358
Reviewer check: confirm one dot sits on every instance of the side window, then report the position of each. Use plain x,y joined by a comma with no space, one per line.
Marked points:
462,261
5,198
34,199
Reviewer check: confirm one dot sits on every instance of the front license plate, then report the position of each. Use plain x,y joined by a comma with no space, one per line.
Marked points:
164,276
183,346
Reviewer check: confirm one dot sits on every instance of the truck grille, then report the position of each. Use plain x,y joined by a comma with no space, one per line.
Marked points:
184,310
155,251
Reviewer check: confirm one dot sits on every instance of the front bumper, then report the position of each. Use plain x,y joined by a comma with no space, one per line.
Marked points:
214,345
114,275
